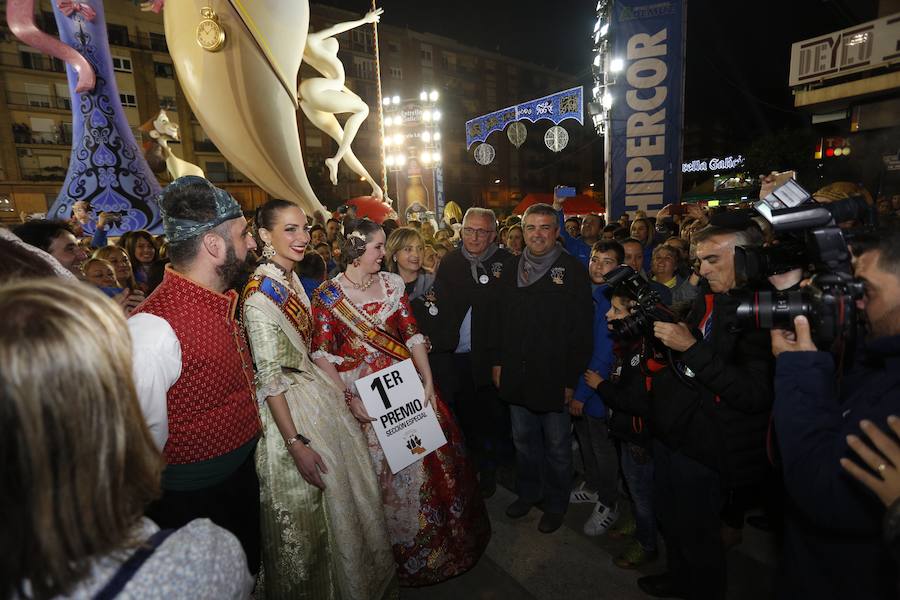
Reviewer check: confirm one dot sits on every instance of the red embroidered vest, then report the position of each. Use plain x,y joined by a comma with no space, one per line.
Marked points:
212,407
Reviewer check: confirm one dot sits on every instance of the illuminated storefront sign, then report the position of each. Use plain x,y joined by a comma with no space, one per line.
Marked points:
728,163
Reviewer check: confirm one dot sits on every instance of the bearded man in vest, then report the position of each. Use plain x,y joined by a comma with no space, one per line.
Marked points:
193,371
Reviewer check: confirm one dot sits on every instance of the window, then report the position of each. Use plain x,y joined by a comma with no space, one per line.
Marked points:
448,61
128,100
216,171
362,41
313,139
63,100
393,47
117,35
364,68
396,72
168,103
425,54
164,70
43,131
37,95
158,42
121,64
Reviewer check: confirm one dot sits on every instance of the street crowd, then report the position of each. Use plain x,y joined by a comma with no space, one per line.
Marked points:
180,418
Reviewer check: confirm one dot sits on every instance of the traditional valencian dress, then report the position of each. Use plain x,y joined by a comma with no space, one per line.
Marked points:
436,518
330,544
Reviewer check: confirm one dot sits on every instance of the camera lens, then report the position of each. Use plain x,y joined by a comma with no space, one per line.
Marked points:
774,310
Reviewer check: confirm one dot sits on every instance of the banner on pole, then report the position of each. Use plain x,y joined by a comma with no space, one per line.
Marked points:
647,105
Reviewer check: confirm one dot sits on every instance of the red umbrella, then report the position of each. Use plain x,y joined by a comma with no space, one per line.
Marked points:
372,208
576,205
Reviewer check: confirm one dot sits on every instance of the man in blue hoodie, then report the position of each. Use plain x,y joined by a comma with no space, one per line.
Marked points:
601,464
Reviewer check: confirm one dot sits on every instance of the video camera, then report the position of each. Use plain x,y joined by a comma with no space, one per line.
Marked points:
648,306
808,238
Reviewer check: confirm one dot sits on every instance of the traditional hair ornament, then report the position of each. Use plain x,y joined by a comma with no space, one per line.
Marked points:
358,241
178,230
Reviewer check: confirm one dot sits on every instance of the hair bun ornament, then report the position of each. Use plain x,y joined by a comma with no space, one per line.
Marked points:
358,241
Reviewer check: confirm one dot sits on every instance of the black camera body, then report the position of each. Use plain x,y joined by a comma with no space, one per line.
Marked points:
807,238
647,310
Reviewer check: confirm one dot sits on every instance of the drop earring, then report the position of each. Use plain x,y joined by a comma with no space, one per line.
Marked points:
268,251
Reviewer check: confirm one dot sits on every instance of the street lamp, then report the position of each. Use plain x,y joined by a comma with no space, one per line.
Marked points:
411,133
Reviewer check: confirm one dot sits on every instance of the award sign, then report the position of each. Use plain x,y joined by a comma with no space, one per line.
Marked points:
407,430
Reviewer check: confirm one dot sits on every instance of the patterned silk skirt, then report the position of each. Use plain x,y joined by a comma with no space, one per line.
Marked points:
436,516
322,545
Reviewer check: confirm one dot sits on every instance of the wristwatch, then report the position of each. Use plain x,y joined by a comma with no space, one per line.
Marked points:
297,438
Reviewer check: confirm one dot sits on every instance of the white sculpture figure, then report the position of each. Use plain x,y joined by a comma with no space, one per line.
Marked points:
162,130
244,93
321,98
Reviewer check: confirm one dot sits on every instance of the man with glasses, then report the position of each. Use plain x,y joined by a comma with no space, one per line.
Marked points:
465,296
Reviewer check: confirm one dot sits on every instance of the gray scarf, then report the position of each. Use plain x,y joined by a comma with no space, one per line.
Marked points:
477,261
532,268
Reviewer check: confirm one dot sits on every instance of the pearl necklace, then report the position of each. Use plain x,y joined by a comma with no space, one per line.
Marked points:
361,286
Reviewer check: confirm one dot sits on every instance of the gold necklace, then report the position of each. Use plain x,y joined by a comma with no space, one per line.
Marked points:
361,286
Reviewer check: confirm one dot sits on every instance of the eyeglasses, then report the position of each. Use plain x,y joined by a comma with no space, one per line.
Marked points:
476,233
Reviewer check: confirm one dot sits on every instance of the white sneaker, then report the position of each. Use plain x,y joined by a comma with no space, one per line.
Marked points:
582,495
601,519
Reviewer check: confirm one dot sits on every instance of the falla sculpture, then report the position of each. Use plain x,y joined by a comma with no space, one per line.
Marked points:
238,65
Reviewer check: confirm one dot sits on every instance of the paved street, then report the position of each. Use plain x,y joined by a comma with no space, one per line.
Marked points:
523,564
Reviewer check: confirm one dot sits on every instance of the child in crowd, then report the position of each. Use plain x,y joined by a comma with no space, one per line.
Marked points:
587,407
628,405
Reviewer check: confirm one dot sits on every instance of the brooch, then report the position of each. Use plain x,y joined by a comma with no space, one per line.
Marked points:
557,274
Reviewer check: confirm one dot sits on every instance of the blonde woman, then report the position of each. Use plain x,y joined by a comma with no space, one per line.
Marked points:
130,295
80,465
404,254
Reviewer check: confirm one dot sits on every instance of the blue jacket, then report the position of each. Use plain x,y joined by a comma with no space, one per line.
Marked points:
574,246
833,546
601,358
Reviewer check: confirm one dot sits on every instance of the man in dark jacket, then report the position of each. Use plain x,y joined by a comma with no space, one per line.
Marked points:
833,546
467,291
542,344
710,421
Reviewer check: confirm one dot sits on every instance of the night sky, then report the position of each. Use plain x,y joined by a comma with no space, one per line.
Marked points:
737,53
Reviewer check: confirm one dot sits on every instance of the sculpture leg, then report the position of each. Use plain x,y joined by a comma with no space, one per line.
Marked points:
20,16
327,122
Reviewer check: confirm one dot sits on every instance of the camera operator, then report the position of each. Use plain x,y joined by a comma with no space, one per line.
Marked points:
710,423
832,538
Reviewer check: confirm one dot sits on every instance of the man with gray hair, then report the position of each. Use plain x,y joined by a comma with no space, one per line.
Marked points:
541,345
710,415
466,291
193,372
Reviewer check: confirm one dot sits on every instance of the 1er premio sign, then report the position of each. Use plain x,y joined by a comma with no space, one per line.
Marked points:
407,429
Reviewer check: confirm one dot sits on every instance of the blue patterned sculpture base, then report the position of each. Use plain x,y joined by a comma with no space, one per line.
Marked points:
107,167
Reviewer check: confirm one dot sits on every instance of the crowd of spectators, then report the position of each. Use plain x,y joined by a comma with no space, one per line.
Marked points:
679,428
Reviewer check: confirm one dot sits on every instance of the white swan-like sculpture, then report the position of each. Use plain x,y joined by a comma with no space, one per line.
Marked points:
244,93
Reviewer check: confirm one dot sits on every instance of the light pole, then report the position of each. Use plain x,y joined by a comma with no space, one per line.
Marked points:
412,133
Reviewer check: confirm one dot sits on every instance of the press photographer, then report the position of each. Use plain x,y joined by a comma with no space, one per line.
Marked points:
710,412
833,546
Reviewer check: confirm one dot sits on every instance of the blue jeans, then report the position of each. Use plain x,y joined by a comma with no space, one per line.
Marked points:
543,457
637,468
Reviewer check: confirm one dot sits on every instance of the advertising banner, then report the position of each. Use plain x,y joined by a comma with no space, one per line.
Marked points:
647,105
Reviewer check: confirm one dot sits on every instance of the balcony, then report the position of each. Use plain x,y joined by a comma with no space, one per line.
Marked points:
32,61
59,136
38,101
43,174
